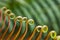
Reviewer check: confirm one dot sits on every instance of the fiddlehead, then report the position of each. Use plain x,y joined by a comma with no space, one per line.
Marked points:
51,34
19,18
44,29
30,21
4,16
6,13
12,16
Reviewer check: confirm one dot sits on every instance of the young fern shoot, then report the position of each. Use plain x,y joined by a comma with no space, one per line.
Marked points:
12,16
19,18
3,9
51,34
2,36
44,29
30,21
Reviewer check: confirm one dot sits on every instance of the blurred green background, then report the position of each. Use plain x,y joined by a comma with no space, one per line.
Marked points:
44,12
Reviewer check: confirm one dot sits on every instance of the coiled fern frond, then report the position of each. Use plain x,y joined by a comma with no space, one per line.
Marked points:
43,12
6,13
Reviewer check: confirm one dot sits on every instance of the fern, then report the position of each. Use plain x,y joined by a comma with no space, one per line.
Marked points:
43,12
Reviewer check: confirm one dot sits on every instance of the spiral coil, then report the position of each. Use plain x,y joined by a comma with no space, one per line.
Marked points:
41,29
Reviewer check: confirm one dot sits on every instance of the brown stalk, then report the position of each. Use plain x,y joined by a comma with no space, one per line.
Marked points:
0,15
39,36
19,30
1,20
47,37
33,33
11,33
6,29
24,34
31,36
